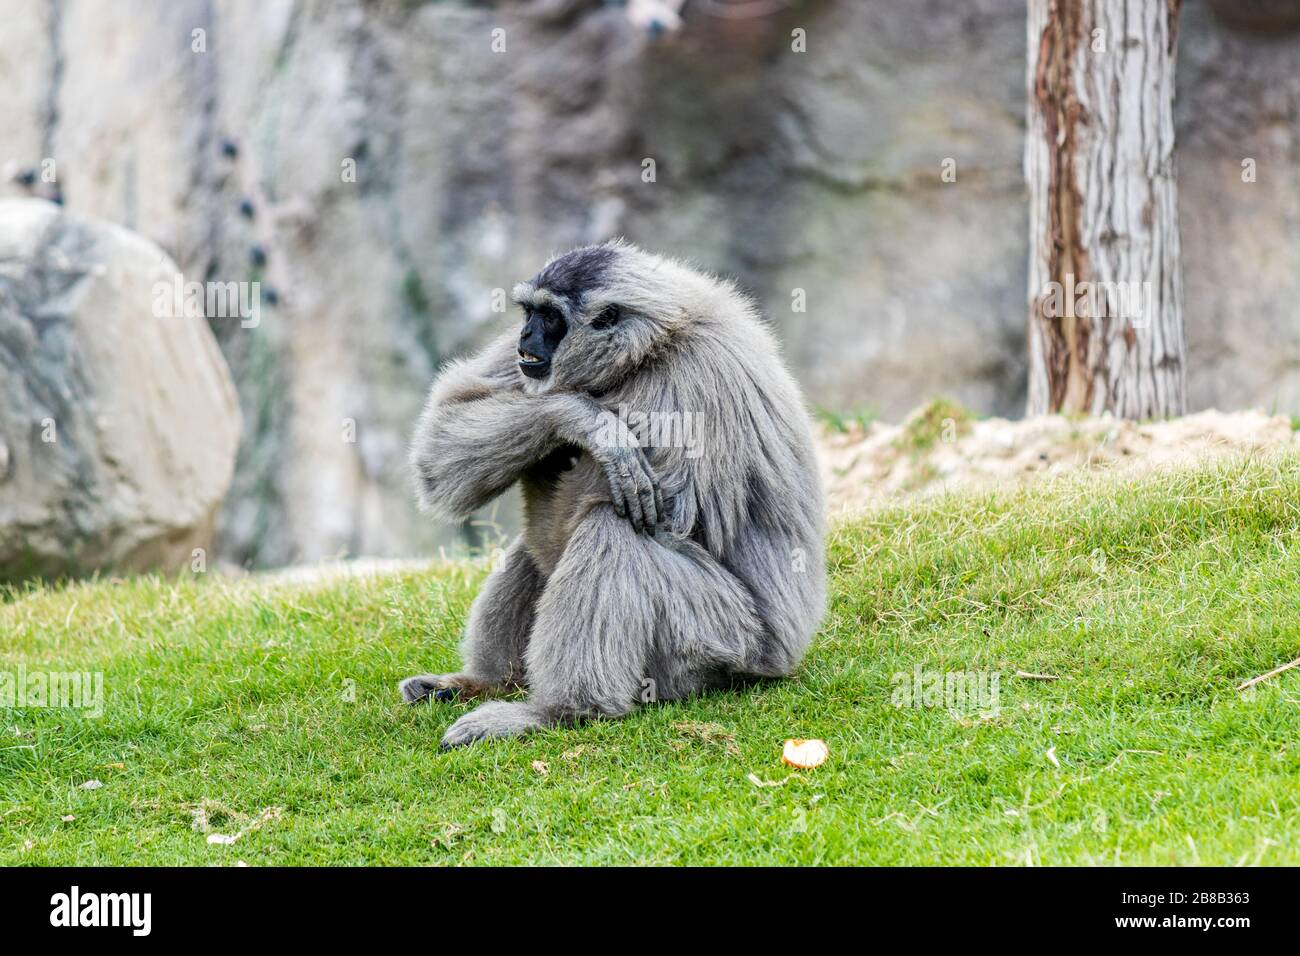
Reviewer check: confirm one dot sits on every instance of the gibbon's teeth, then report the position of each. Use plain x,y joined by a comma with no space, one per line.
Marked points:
527,357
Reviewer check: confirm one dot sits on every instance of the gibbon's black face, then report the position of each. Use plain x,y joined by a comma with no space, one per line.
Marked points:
544,329
564,300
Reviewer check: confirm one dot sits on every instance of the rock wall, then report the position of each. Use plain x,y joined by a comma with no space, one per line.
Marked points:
817,171
1239,102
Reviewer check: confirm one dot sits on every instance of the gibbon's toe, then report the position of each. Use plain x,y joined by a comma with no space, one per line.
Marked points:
450,687
494,719
421,687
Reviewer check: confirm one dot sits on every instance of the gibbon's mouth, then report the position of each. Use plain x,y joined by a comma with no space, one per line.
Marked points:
532,366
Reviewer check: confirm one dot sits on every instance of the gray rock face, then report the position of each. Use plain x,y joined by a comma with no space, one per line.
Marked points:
118,428
1238,154
389,175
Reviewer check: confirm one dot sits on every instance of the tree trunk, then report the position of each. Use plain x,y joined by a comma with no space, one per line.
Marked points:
1105,289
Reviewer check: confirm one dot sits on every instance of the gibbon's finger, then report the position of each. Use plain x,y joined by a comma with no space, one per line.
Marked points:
651,497
632,492
647,486
644,461
615,491
644,479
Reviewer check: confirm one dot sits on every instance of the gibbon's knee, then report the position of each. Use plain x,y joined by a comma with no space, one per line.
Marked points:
622,610
595,620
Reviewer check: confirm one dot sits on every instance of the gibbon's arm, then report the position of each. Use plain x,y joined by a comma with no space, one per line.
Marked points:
716,450
480,431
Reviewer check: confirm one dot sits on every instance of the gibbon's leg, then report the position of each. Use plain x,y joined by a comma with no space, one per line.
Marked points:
495,637
624,618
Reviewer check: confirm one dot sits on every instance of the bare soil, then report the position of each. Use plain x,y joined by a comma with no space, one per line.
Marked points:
941,448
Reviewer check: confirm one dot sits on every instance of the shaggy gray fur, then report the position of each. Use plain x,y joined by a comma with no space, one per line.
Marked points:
643,573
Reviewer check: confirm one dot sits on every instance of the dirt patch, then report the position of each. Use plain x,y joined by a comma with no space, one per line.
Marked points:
941,448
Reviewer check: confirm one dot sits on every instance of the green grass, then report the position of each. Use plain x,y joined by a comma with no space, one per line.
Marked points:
841,423
939,419
1150,601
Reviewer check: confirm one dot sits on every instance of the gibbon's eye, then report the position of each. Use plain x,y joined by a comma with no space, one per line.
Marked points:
550,319
607,317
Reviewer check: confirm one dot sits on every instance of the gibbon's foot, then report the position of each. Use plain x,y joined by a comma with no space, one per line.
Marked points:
499,718
444,687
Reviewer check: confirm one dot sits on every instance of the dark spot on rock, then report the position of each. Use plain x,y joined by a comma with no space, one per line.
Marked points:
257,256
246,208
229,148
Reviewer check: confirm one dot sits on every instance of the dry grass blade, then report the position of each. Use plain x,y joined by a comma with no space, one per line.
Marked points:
1273,673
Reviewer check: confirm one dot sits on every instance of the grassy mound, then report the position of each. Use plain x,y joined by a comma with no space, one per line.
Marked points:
268,713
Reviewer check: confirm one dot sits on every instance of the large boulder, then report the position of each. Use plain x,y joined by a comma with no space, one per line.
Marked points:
118,426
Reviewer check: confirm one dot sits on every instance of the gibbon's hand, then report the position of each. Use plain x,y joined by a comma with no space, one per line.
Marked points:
633,485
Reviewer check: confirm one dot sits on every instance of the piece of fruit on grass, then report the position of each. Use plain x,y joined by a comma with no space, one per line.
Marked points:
805,753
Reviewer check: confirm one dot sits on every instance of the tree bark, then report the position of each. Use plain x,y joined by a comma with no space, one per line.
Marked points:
1105,289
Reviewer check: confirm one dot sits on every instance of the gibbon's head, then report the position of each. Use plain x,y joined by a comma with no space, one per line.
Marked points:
594,315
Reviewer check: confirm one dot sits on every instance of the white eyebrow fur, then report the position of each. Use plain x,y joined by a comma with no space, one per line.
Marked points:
525,293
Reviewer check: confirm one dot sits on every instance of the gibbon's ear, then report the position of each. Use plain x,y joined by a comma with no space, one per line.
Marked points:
607,317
